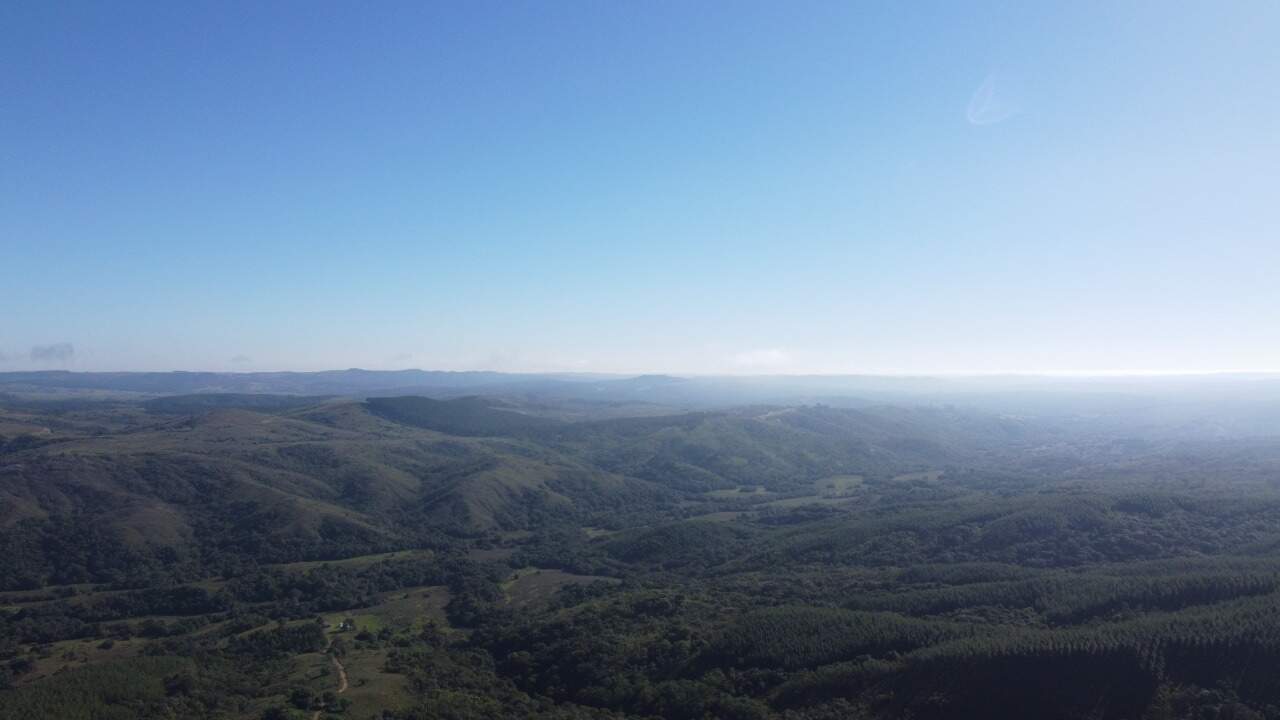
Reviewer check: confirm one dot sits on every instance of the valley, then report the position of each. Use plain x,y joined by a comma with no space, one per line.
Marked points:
253,557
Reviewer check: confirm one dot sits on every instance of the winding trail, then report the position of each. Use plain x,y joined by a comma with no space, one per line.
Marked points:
342,678
342,674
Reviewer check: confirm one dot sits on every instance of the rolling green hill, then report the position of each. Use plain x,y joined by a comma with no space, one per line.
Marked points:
513,557
318,482
468,416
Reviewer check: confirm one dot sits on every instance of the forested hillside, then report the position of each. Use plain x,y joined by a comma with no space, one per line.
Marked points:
233,555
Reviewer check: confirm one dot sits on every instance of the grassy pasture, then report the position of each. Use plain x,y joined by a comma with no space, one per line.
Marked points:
354,562
741,492
407,609
926,476
535,586
837,485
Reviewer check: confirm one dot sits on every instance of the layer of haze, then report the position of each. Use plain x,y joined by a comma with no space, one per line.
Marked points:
662,187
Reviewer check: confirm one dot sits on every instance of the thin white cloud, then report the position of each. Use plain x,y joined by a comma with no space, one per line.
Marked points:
762,358
993,102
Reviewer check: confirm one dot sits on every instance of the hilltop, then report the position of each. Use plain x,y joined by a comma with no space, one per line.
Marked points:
195,554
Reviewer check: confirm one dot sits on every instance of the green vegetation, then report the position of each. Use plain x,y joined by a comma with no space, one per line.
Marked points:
246,557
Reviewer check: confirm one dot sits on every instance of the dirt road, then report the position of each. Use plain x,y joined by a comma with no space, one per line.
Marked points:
342,678
342,674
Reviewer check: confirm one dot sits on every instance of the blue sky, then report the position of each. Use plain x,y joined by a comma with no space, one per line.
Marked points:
651,187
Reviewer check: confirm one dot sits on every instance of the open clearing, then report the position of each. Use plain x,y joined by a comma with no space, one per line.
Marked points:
803,500
357,561
725,516
369,689
745,491
534,586
410,609
927,476
837,485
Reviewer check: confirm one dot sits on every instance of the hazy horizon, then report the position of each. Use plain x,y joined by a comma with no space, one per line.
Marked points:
943,376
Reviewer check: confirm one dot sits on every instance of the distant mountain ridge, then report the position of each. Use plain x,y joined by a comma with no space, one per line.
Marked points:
283,478
340,382
1227,404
